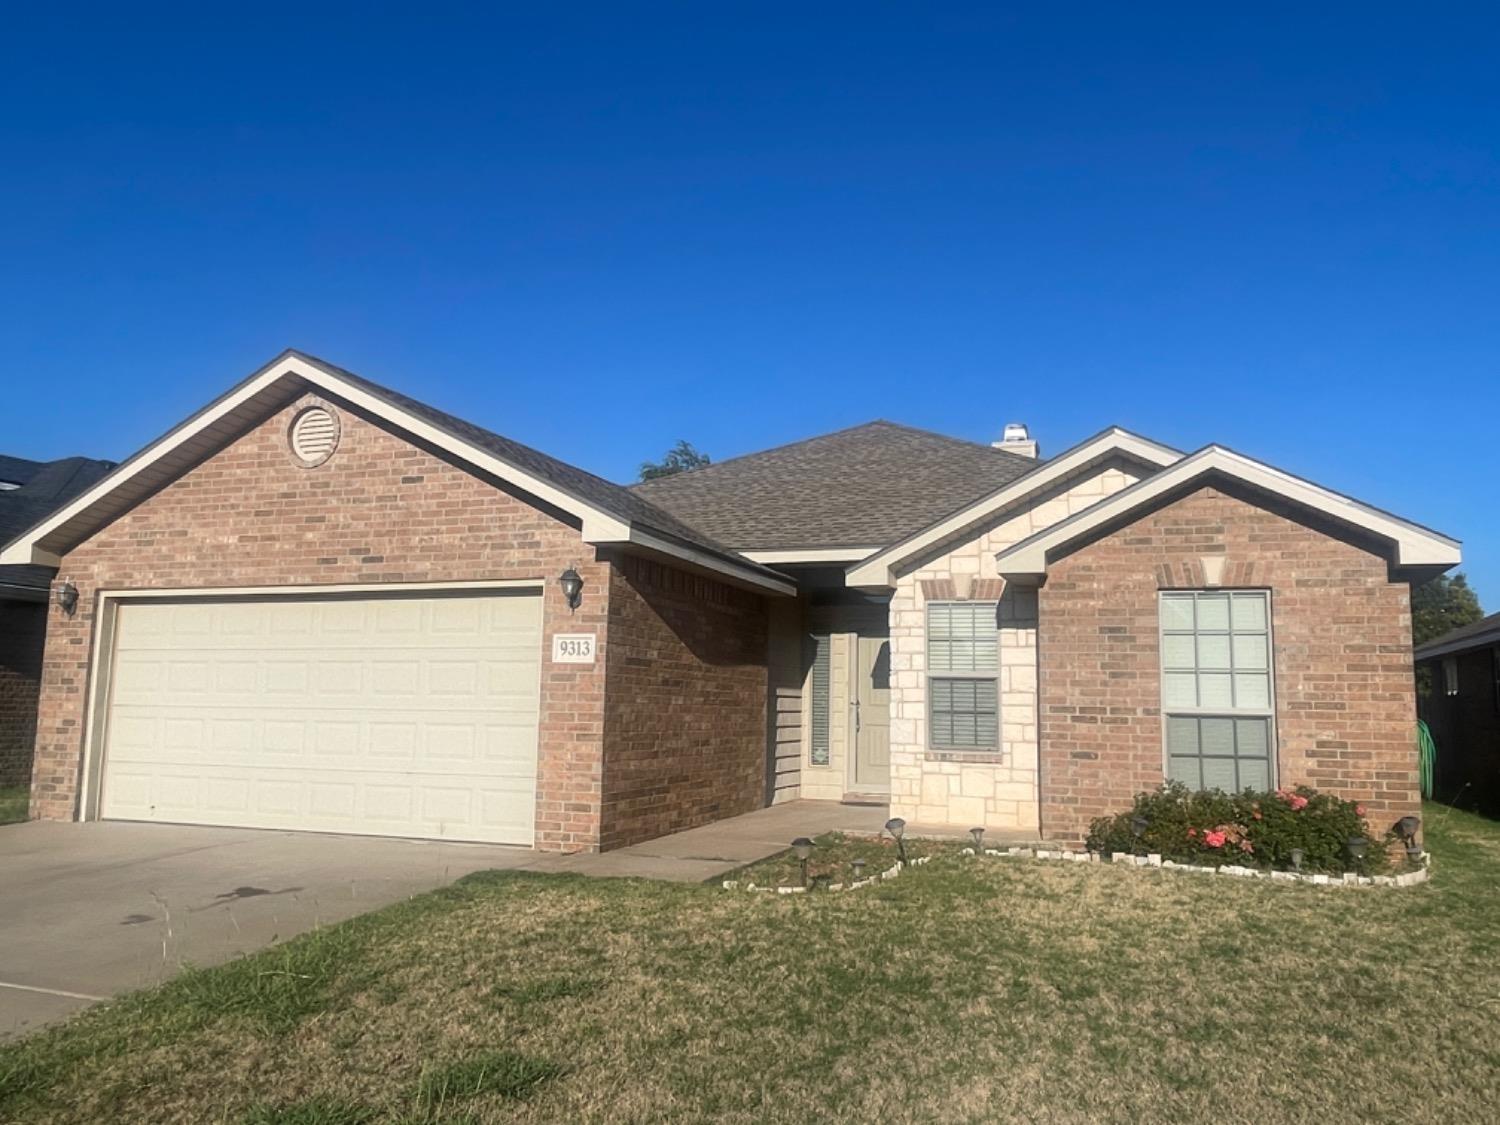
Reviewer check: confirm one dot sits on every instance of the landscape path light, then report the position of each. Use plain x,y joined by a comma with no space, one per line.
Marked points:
803,847
897,828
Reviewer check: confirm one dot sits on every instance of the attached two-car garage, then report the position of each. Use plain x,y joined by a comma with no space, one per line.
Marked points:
390,714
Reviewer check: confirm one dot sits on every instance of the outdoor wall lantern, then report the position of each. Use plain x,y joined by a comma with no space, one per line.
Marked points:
572,587
978,835
803,847
67,597
897,828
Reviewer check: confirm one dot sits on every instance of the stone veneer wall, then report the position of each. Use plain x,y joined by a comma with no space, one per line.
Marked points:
1341,636
379,510
994,790
685,703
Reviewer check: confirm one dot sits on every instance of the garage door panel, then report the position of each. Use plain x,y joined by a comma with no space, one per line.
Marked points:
409,716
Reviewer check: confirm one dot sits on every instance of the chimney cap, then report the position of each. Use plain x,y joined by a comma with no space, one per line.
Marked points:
1016,431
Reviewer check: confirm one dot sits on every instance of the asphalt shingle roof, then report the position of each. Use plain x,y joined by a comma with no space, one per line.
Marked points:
867,486
48,485
611,497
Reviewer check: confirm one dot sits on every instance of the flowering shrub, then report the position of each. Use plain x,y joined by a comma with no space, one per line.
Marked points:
1251,829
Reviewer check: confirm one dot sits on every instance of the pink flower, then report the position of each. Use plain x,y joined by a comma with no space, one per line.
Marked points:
1359,810
1246,846
1299,802
1192,832
1214,839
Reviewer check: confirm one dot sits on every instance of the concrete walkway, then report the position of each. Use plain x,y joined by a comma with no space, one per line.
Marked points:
92,910
701,854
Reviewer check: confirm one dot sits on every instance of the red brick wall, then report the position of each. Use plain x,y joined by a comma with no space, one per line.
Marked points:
1345,702
22,628
685,702
380,510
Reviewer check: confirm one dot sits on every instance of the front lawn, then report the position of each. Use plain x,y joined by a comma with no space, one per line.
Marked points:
966,990
14,801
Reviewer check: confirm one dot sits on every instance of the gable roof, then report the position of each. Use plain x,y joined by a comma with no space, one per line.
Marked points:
1478,634
1113,443
607,512
44,487
862,487
1410,546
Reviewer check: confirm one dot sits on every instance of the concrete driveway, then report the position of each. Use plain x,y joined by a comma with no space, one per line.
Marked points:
91,910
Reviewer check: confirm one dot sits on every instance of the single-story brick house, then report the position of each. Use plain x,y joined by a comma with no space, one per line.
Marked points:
1462,709
29,491
320,604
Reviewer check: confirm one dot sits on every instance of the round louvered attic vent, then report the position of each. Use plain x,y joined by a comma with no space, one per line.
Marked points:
315,435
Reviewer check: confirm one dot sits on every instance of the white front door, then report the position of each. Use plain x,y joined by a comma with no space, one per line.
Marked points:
870,766
381,715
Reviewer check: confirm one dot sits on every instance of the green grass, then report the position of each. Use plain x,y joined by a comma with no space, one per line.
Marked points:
14,801
968,990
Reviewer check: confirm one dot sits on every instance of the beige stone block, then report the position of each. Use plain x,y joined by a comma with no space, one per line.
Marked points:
935,789
976,781
966,811
1015,791
931,814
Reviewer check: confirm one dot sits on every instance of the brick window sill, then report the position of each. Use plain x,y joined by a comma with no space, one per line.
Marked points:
986,757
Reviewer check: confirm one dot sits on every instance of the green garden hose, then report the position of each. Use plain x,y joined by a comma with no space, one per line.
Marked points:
1426,758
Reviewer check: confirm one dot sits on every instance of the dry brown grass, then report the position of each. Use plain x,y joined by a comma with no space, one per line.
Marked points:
969,990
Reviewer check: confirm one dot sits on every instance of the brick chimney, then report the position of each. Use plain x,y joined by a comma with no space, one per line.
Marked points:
1017,439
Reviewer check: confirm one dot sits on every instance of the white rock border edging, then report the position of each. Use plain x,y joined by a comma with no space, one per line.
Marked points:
892,872
1348,879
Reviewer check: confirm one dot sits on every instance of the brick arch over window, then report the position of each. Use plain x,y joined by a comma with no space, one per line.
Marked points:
1345,706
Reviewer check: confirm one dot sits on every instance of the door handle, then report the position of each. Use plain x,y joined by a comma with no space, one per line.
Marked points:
856,716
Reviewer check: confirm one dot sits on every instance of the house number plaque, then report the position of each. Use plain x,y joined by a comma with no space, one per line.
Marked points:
573,648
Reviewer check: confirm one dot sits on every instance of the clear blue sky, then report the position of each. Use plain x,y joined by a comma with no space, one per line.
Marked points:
599,229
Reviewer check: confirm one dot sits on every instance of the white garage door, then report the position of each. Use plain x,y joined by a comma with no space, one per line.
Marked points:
390,715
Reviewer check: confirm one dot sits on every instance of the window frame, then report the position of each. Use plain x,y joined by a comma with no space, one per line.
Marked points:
992,677
1268,712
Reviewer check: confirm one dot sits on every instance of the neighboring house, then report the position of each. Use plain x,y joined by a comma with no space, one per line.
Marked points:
320,604
29,491
1462,709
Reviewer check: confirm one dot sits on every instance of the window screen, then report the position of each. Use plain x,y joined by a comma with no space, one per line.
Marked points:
1217,689
963,661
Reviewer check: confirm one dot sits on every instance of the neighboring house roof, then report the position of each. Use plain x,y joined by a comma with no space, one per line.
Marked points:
1480,634
16,471
609,513
44,487
863,487
1416,549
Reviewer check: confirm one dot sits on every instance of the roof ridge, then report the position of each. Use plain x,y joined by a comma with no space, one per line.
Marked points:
871,424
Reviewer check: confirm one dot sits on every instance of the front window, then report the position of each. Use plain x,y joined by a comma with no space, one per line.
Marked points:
963,663
1217,689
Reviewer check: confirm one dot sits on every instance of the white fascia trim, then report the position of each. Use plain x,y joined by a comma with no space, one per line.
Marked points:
880,570
773,555
599,526
1415,546
744,576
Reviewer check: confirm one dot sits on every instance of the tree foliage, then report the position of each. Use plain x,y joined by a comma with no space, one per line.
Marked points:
1442,605
679,459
